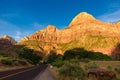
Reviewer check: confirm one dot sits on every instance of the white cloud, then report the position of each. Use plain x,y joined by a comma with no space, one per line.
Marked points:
39,26
110,17
18,35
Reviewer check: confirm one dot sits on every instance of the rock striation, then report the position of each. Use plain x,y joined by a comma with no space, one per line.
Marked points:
82,24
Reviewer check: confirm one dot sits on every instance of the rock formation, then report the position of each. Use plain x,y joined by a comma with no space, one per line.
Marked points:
6,44
7,40
83,24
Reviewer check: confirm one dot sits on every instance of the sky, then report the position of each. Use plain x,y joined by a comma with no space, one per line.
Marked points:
19,18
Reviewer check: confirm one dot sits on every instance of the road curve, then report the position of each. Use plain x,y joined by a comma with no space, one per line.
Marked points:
22,74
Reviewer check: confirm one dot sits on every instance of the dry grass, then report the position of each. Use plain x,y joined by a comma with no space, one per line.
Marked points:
101,64
5,68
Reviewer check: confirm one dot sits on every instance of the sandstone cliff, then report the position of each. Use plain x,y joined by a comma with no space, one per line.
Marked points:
82,24
83,28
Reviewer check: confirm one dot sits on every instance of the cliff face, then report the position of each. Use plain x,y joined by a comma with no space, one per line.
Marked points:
82,25
7,40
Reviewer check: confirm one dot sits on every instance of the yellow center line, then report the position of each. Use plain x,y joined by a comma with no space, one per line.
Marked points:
16,73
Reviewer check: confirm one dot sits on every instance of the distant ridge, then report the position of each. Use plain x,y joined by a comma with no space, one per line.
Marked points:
8,38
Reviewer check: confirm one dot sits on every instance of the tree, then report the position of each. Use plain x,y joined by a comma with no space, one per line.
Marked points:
30,56
54,57
80,53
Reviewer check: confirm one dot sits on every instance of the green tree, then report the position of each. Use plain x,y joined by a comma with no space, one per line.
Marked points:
54,57
30,56
80,53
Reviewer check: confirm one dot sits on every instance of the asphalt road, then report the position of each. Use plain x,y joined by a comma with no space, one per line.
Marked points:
23,74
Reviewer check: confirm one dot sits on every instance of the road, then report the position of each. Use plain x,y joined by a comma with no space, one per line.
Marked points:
23,74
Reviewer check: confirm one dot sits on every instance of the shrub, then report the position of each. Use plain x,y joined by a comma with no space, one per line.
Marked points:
71,71
109,67
85,60
22,62
101,56
91,66
81,53
29,55
6,62
54,57
58,63
5,54
117,69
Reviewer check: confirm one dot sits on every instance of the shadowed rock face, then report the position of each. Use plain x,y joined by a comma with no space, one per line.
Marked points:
7,40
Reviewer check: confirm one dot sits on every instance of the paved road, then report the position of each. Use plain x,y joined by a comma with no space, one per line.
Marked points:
23,74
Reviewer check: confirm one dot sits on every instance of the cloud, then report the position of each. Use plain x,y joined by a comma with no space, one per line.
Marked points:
110,17
16,31
39,26
9,29
18,35
114,5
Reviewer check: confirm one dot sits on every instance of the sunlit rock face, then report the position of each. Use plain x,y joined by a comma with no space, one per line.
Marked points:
83,24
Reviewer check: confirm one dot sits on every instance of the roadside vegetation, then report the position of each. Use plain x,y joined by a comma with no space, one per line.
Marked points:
23,58
75,64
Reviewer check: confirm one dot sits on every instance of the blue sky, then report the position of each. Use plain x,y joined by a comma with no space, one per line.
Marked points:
20,18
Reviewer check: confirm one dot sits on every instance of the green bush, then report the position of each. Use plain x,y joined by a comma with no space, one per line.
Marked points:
117,69
109,67
54,57
22,62
71,71
6,62
81,53
101,56
91,66
85,60
58,63
30,56
5,55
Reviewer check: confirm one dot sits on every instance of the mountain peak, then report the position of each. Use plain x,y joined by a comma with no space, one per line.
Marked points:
118,23
84,15
81,18
51,28
6,37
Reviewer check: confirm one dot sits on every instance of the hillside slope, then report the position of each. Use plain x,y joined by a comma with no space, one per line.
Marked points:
83,31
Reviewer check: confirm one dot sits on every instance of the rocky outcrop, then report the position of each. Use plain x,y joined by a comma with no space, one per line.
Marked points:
83,24
82,18
26,38
51,34
7,40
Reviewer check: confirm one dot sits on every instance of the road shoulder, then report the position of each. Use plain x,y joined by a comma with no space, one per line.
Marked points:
45,75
